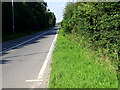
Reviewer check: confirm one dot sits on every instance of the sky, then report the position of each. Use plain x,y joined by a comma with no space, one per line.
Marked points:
57,6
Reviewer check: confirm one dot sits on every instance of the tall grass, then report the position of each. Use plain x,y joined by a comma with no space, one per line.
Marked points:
76,67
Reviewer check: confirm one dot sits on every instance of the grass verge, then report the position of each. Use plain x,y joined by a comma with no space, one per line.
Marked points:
77,67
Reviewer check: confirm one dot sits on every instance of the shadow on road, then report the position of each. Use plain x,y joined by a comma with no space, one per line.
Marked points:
36,40
24,55
4,61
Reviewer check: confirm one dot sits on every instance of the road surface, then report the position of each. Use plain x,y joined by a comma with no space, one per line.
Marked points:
23,58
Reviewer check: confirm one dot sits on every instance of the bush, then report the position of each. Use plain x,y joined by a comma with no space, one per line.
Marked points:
99,23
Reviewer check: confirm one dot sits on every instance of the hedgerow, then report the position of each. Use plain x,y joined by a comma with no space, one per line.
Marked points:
99,24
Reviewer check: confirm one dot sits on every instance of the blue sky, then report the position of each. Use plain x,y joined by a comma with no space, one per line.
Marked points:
57,6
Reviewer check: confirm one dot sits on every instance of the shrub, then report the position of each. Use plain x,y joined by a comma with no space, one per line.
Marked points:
99,23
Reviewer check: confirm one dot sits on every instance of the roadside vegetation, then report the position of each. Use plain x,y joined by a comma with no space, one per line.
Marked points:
59,23
76,67
88,46
29,17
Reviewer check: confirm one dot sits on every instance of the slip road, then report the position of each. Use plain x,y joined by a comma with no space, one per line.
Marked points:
23,58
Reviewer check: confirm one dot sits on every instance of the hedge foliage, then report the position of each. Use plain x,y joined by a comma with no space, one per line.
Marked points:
98,23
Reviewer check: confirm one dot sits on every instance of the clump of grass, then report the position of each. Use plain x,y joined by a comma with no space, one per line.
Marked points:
77,67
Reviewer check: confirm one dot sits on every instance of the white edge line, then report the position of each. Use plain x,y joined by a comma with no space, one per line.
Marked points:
47,58
40,75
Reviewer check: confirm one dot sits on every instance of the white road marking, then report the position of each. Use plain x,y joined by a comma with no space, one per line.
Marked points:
40,75
23,42
35,80
47,58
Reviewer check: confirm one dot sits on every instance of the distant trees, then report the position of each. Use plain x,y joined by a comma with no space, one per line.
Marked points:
28,16
59,23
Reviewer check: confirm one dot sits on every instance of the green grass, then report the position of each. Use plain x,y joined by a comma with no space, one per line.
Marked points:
75,67
18,35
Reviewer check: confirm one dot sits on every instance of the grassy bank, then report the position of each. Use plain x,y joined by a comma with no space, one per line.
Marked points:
77,67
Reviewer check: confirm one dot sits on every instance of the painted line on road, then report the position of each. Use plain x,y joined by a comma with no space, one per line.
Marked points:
40,75
47,58
23,42
35,80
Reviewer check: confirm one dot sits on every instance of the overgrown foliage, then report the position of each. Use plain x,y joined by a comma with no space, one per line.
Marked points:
99,24
75,67
28,16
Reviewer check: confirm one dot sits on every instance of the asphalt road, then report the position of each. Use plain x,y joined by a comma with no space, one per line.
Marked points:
21,62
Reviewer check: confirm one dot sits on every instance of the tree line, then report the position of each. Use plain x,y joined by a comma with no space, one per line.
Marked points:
98,23
28,16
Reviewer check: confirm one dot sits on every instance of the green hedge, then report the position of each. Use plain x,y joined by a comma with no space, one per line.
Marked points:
99,23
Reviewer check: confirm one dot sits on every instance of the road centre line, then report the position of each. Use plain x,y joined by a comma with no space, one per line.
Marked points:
23,42
40,75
